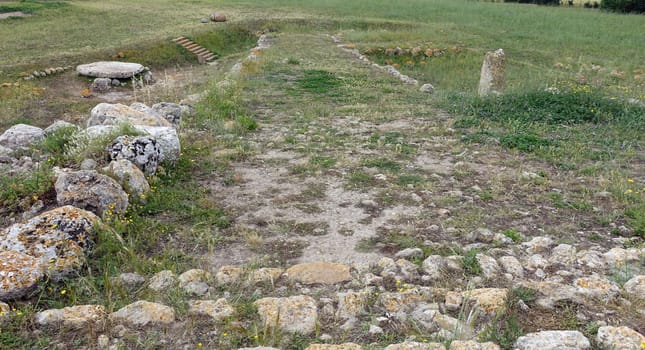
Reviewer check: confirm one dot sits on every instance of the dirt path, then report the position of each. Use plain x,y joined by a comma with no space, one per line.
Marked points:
349,163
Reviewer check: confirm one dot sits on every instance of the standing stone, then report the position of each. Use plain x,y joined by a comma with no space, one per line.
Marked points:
293,314
493,75
87,189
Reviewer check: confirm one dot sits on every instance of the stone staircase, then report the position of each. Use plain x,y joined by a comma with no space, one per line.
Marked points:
203,54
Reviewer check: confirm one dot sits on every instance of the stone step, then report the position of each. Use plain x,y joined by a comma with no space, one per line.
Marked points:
202,53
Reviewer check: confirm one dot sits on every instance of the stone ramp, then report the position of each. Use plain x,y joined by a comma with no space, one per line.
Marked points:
203,55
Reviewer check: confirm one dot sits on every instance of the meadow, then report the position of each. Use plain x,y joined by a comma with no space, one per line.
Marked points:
569,126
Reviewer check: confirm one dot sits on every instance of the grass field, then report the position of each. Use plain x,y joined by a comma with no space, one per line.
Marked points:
530,160
544,44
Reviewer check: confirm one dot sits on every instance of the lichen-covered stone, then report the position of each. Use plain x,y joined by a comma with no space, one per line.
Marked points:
162,280
618,257
550,293
537,245
489,266
405,300
194,281
553,340
172,112
215,309
597,287
142,151
472,345
58,238
21,136
563,254
193,275
115,114
89,190
293,314
167,140
265,275
434,266
19,274
410,345
344,346
129,176
229,274
319,273
431,320
619,338
511,265
143,313
73,317
351,304
488,300
636,286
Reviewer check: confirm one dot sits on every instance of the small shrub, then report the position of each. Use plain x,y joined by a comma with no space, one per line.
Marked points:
524,142
471,265
318,81
635,6
513,234
55,144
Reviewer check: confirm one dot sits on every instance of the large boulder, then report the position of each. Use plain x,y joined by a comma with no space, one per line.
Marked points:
19,274
110,69
114,114
59,239
129,176
92,191
21,136
142,151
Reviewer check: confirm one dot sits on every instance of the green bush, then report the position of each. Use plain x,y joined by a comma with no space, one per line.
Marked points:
537,2
636,6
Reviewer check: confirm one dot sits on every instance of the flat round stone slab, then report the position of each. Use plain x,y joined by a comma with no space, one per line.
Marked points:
110,69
